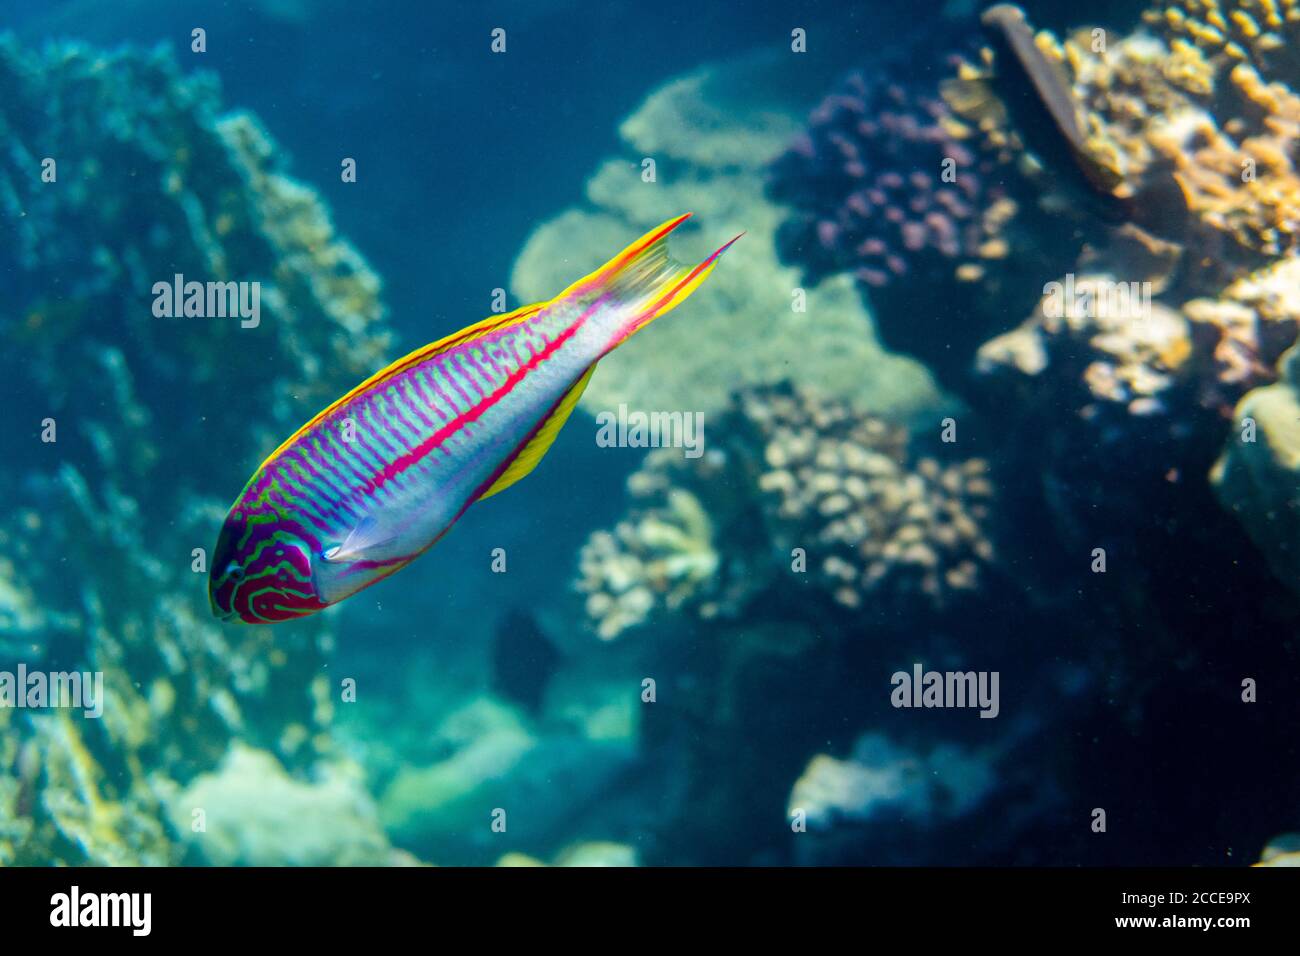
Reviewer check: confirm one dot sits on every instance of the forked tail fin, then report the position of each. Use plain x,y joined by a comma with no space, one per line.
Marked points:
643,281
630,291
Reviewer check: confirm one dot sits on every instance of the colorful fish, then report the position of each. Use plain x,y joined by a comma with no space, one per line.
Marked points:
379,476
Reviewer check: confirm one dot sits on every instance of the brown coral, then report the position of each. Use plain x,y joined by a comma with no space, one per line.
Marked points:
798,480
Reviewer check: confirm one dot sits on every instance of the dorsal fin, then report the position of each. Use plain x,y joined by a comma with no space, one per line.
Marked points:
533,452
469,333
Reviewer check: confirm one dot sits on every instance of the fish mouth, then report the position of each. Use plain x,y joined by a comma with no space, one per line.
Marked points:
221,615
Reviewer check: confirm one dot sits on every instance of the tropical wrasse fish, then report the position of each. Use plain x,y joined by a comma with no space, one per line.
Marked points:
380,475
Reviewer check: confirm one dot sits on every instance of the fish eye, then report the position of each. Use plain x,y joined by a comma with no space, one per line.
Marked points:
234,572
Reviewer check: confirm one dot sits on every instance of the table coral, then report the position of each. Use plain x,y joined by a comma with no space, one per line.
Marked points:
711,154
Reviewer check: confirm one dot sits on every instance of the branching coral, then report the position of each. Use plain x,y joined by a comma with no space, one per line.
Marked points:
663,557
1101,338
1149,117
1198,129
875,522
866,180
890,185
796,479
1261,32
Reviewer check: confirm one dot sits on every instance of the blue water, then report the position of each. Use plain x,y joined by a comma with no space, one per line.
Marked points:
455,714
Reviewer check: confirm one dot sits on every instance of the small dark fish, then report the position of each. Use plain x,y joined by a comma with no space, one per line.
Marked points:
523,660
1046,114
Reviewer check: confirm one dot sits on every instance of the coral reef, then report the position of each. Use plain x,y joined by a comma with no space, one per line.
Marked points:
1281,851
866,181
493,784
1126,166
881,780
1232,163
711,146
805,542
250,812
666,557
1262,33
792,472
105,525
1241,335
1166,155
890,185
1099,338
876,523
1166,301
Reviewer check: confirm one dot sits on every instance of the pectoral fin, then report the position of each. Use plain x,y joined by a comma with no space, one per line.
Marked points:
368,536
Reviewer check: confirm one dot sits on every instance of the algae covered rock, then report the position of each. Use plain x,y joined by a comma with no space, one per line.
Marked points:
1258,476
503,786
255,814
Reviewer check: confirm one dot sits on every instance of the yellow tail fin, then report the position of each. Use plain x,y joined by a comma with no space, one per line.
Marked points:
644,281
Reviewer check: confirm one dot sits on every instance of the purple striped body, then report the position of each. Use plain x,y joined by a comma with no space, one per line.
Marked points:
378,477
408,454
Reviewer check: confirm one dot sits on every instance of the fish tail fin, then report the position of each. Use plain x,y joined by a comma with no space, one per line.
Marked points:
643,282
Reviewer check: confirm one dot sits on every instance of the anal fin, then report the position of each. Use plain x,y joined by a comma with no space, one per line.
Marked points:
532,453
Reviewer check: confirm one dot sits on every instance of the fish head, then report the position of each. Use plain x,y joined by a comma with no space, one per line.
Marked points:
262,570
